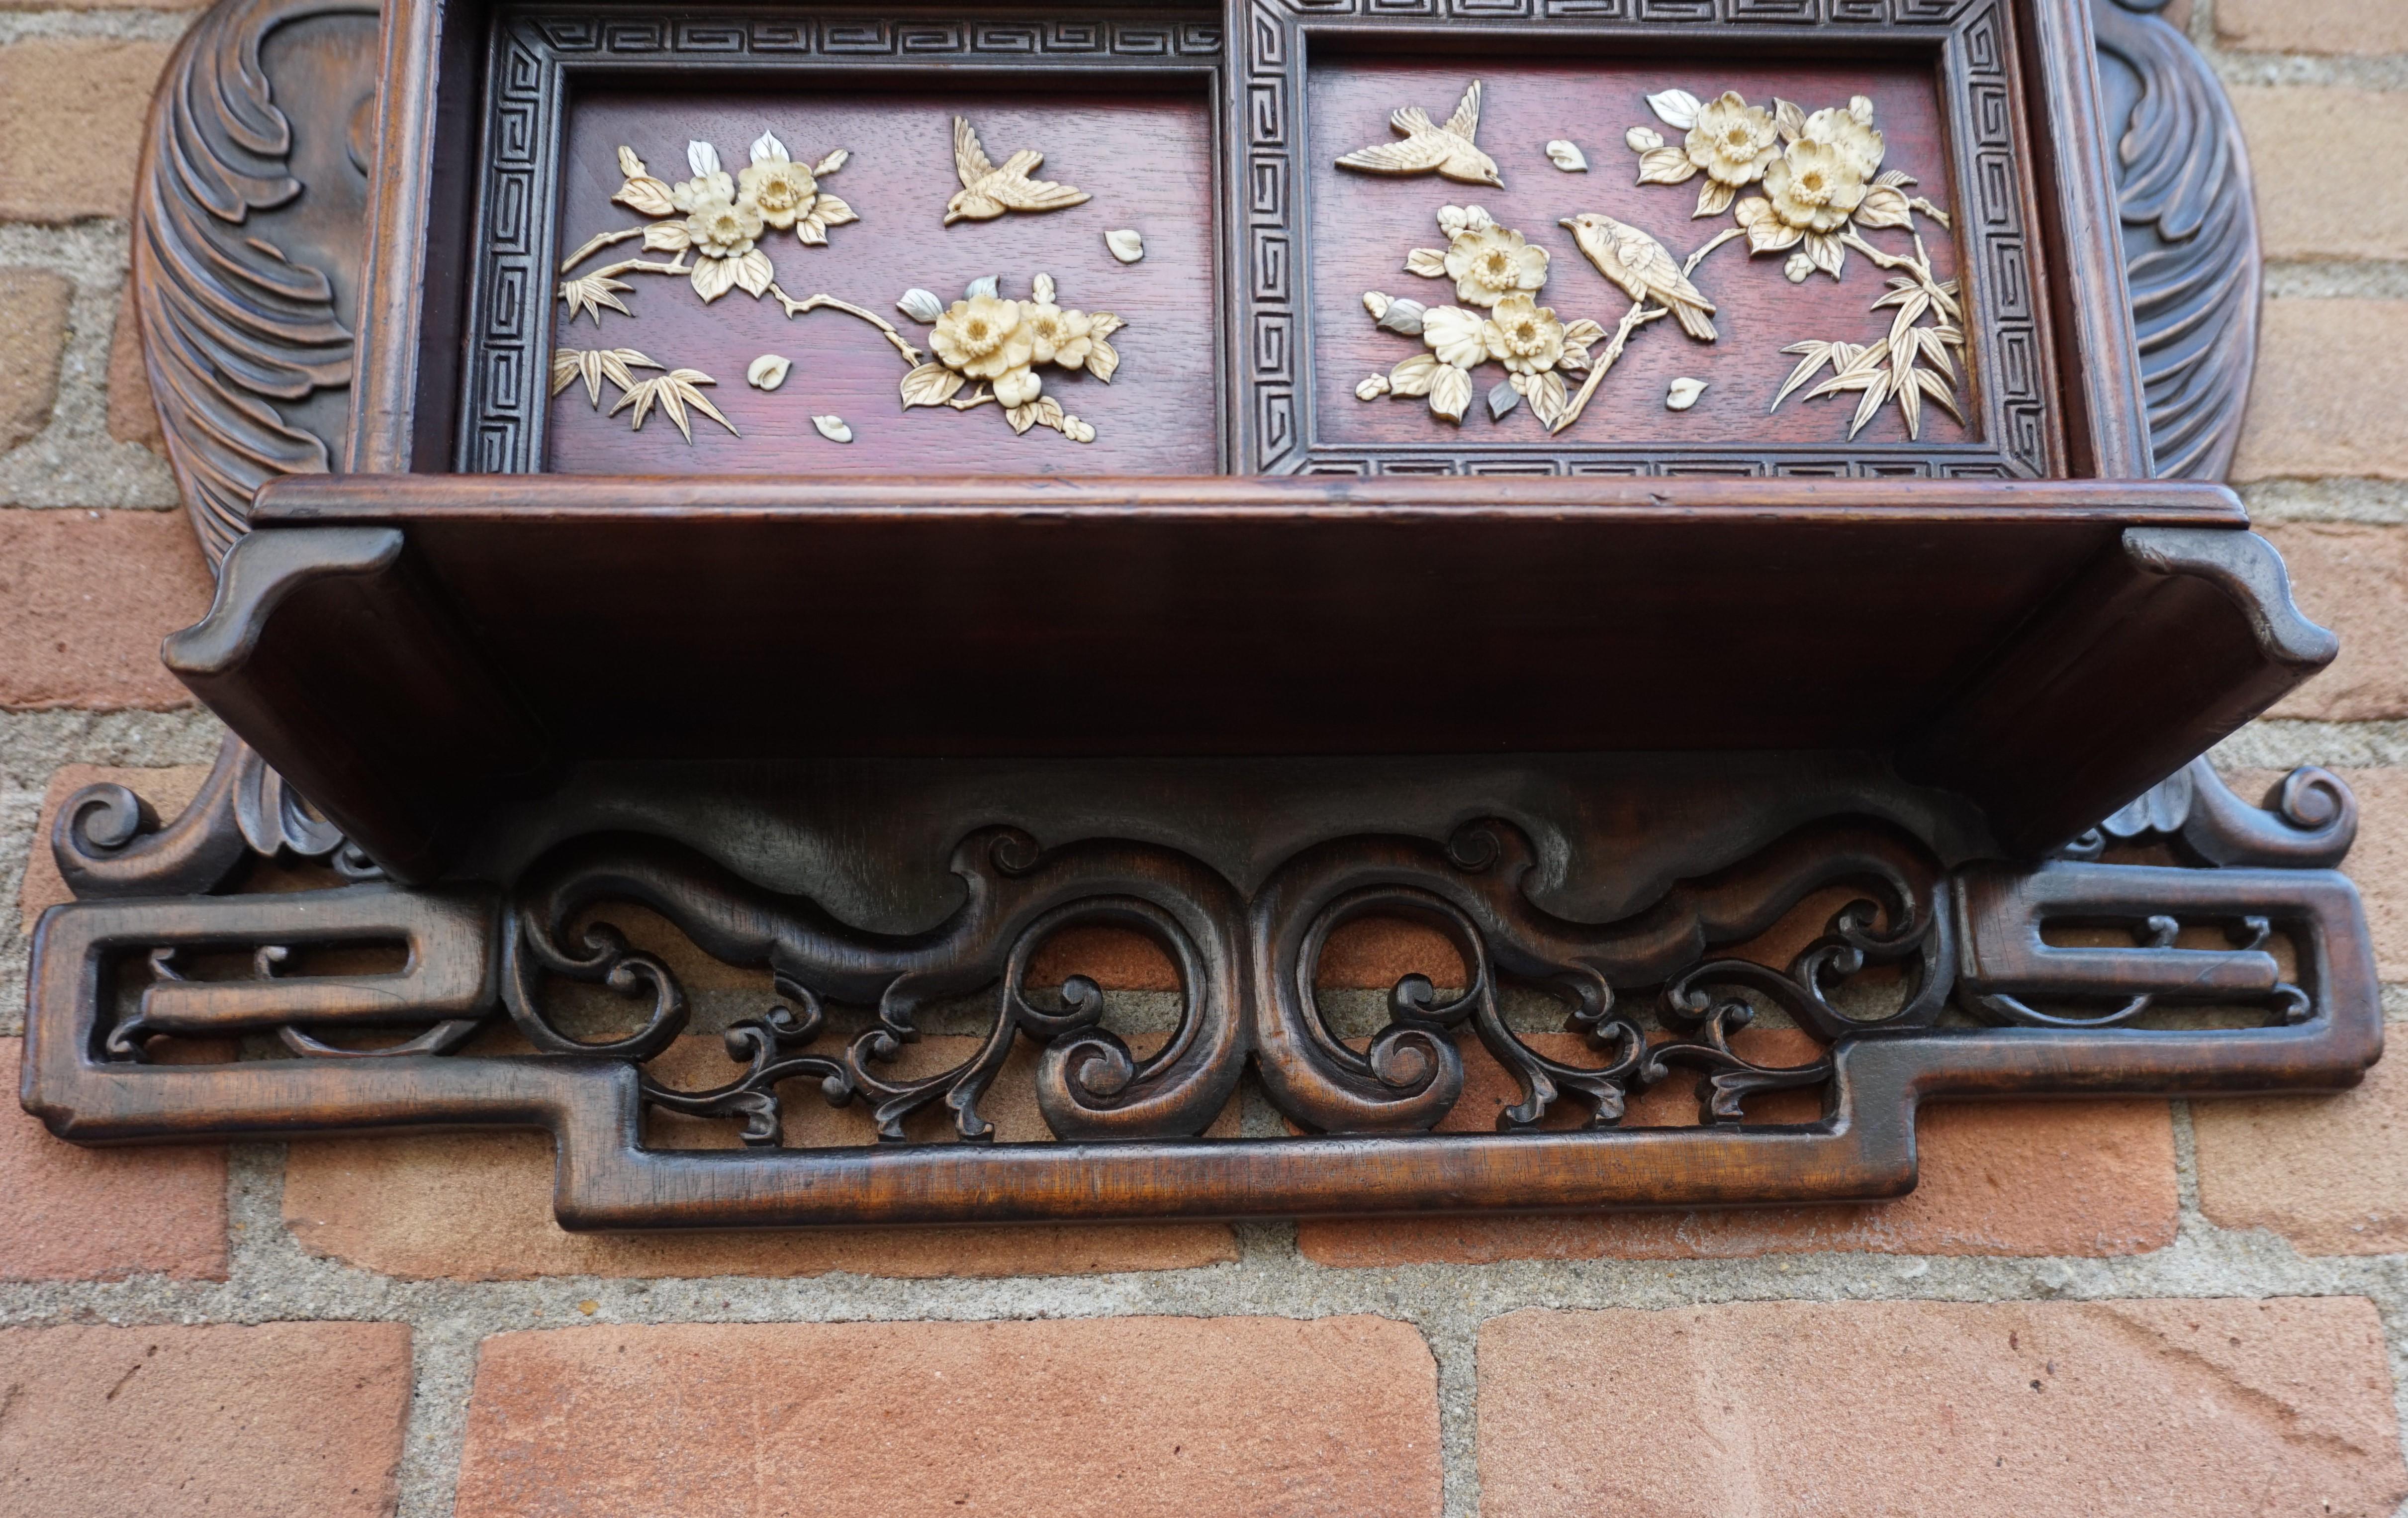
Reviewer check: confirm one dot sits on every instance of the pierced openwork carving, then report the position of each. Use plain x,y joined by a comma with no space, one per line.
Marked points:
1957,948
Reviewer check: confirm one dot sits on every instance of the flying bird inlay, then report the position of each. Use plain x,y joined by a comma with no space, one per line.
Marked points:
987,192
1446,146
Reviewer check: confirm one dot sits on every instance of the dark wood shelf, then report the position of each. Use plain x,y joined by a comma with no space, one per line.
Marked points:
410,649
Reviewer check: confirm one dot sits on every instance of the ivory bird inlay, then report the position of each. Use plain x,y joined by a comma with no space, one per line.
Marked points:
1446,146
1639,264
987,191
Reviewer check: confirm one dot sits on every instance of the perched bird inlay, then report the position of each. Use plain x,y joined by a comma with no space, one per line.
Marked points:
1639,264
1446,146
987,192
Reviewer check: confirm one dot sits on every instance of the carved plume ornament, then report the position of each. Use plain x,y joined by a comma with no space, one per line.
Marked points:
239,268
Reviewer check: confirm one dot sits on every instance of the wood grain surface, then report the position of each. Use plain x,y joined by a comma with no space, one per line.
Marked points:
1147,160
1364,225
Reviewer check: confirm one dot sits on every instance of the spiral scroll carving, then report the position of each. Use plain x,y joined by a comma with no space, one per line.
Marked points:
1247,972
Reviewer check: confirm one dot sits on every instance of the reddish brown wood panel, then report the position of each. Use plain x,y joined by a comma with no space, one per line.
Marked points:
1146,159
1365,224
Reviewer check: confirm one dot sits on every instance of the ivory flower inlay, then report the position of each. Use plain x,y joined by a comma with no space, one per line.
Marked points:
1007,344
1497,274
717,217
1488,262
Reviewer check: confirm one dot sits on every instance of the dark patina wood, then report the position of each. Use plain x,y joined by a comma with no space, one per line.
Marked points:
882,740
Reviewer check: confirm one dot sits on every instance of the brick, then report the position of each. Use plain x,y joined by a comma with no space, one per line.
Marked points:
478,1206
1124,1417
102,4
1370,953
2379,860
2299,215
33,338
285,1419
133,417
169,789
2353,579
71,124
2327,26
85,596
2269,1162
104,1214
2017,1178
2330,396
2025,1409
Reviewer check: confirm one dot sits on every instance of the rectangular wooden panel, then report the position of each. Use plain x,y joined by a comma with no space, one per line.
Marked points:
1145,157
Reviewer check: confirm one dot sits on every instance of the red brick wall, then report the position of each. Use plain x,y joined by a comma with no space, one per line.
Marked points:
2110,1307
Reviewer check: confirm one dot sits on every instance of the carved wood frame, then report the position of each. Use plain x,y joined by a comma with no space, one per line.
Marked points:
2029,1015
536,52
1980,57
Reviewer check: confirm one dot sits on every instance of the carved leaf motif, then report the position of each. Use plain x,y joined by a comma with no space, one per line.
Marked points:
1502,397
1020,417
1103,361
834,160
920,306
630,167
1450,392
1565,155
1869,408
991,286
713,278
1939,390
1429,263
767,149
1817,354
1665,165
753,273
830,211
1714,198
811,231
1642,139
1884,206
1102,324
1575,359
1582,333
1789,119
1415,375
1674,108
666,237
1861,108
1828,252
1403,318
645,195
1910,396
930,384
1548,394
702,158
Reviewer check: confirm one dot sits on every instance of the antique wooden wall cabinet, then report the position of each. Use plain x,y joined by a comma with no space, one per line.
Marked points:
803,520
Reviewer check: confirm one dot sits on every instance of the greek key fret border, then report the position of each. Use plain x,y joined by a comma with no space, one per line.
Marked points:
1273,409
533,49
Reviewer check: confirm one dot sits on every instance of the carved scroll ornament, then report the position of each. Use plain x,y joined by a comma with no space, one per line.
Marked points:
1959,949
